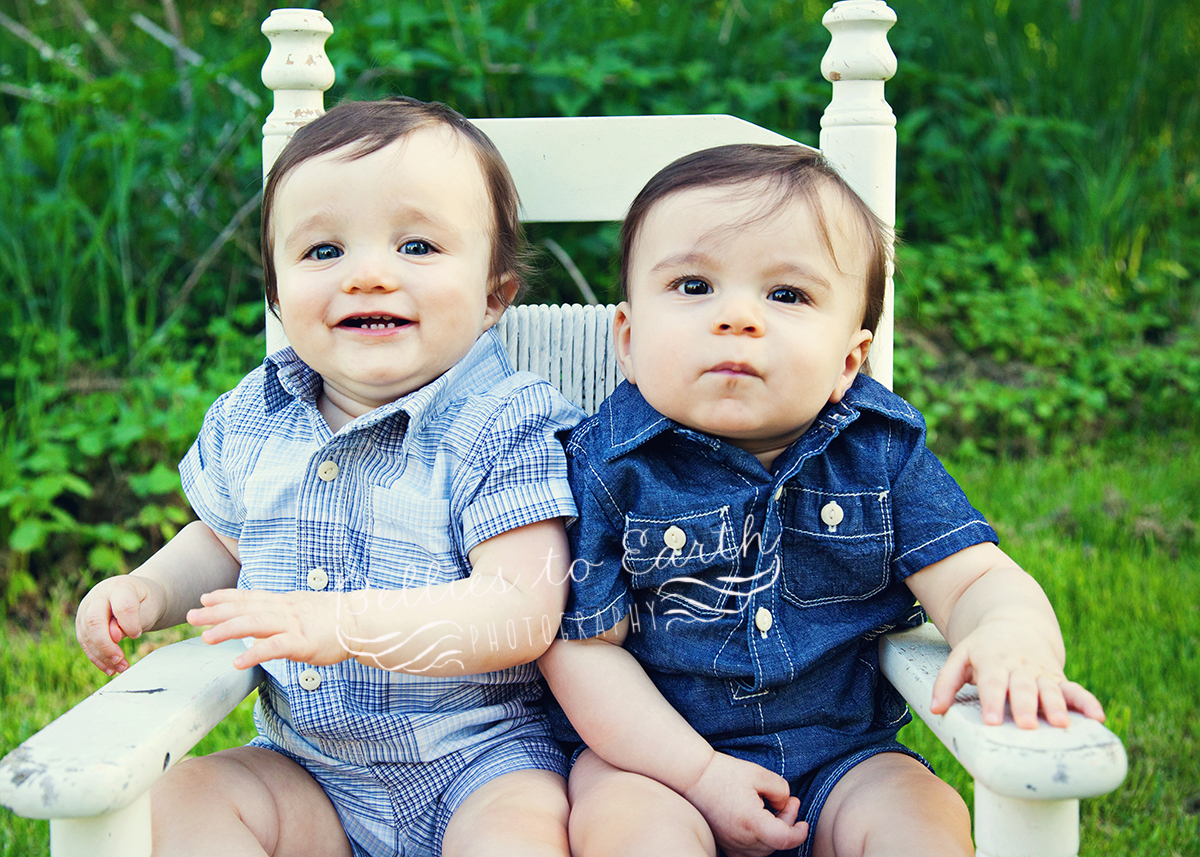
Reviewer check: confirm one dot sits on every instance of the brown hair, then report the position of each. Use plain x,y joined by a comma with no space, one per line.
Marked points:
369,126
792,172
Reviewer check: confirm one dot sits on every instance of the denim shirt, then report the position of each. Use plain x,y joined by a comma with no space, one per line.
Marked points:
755,598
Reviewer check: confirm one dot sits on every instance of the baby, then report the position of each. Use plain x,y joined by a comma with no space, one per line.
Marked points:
754,512
387,496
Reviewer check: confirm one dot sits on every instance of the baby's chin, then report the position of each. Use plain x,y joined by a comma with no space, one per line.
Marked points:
734,423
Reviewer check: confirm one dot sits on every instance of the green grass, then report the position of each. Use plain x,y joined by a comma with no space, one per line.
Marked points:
1111,533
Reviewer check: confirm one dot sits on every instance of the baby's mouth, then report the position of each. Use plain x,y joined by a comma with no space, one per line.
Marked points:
732,368
374,322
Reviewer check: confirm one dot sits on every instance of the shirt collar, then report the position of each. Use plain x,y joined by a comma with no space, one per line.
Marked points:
639,422
288,378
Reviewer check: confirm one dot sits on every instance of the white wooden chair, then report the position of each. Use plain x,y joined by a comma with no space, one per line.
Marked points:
89,771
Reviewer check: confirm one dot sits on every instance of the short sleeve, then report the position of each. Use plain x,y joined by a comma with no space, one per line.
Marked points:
933,518
204,479
599,596
520,466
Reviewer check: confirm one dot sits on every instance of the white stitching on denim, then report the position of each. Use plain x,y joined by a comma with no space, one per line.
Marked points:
942,536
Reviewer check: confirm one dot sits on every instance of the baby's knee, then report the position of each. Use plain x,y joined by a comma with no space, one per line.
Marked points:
618,814
892,804
202,778
520,813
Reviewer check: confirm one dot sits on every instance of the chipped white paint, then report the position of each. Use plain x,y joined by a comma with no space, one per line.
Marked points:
297,72
97,761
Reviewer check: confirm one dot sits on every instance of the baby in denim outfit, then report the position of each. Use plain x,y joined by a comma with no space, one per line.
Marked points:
388,495
754,511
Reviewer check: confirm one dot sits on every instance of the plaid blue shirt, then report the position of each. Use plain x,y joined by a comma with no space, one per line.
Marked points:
395,499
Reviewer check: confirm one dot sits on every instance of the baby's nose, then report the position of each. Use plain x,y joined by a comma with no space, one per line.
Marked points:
372,273
739,316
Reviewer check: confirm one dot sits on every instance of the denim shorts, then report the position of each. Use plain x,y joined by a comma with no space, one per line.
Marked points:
403,809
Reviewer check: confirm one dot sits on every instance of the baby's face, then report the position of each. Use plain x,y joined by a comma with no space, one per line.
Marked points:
742,325
382,265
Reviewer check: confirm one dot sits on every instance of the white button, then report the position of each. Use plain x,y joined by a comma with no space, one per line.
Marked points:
675,538
317,578
310,679
327,470
832,515
763,620
778,493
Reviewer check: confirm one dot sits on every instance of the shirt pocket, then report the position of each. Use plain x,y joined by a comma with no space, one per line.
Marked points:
411,542
836,545
689,561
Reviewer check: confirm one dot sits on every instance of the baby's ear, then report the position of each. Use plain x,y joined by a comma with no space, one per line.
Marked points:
622,340
856,355
499,299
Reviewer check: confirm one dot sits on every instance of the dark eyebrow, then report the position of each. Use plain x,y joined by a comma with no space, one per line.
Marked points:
784,270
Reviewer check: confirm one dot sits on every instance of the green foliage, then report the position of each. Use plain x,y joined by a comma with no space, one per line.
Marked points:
1003,354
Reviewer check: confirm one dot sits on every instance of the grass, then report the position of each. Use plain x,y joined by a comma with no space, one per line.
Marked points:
1111,533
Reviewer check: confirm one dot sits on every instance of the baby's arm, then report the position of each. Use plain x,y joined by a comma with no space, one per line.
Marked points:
157,594
1004,636
493,619
624,719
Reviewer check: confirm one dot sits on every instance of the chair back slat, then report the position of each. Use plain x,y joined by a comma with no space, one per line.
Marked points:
569,345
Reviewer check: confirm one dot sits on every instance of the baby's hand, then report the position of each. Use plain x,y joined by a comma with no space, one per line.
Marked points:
116,608
1006,660
730,795
308,627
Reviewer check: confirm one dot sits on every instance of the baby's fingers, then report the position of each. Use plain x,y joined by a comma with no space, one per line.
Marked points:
780,834
98,634
779,831
1024,693
995,687
1079,698
955,672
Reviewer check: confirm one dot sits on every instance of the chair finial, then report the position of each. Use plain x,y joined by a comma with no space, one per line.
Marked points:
297,71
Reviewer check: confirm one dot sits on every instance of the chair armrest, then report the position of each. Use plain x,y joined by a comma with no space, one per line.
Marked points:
1082,760
110,748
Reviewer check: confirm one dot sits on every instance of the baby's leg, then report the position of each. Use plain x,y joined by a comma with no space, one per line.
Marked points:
247,800
518,814
618,814
892,804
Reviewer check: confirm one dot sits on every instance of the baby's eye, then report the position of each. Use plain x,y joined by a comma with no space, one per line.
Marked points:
786,295
324,252
693,286
416,247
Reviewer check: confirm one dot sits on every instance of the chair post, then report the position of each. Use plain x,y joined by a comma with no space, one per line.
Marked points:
298,73
858,129
124,832
1016,827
